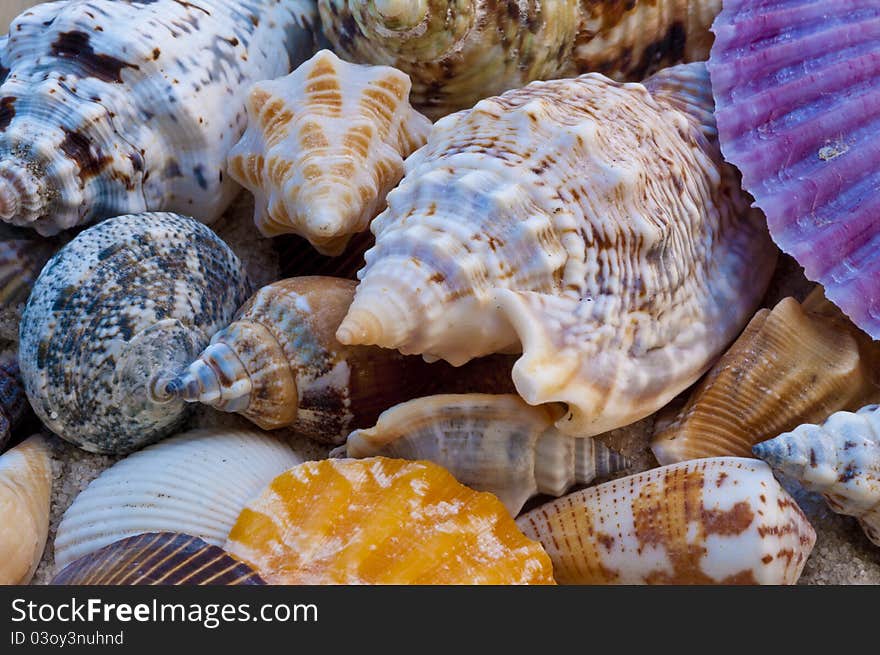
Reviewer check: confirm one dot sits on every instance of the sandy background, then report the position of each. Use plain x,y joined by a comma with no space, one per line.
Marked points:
843,555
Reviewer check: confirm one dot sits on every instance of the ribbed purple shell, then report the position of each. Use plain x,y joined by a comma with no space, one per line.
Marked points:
797,92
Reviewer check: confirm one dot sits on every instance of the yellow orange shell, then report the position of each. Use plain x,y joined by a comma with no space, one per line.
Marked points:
382,521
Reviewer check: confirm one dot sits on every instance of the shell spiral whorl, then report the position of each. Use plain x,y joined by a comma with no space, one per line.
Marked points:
591,223
128,302
111,108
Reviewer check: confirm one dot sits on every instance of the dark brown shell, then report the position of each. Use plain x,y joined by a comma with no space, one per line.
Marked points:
158,558
13,400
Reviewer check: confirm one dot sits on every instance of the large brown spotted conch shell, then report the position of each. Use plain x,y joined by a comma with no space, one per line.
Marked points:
590,224
128,302
324,146
108,108
459,51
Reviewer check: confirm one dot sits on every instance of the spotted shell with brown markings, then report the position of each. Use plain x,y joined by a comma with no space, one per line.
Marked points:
707,521
459,51
591,225
112,107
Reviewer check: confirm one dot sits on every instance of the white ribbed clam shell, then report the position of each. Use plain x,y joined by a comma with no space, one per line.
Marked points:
195,483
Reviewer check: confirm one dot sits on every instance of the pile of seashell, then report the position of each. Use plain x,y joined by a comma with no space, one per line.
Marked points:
566,249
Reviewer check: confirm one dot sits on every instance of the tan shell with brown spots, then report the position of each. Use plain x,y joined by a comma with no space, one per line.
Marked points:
590,224
708,521
459,51
324,146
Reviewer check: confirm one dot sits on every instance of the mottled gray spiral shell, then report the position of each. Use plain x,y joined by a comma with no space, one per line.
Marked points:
111,107
128,300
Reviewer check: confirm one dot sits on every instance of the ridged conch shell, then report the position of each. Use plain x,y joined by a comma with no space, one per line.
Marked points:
796,85
839,459
25,488
112,107
711,521
324,146
279,365
459,51
13,400
127,302
162,558
494,443
196,483
589,223
793,364
382,521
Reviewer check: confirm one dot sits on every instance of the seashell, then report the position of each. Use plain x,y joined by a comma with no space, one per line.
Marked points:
159,558
723,520
195,483
382,521
280,365
112,107
459,51
791,365
324,146
798,115
13,400
21,260
839,459
590,225
25,489
489,443
127,302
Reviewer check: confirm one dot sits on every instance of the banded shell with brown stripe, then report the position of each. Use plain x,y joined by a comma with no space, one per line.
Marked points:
708,521
160,558
324,146
794,364
279,364
494,443
459,51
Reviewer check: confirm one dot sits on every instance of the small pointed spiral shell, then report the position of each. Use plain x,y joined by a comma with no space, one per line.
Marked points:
128,301
108,108
324,146
839,459
723,520
25,489
490,443
593,225
279,365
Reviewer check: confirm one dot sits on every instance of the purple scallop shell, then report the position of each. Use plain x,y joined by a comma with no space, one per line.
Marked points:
797,92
